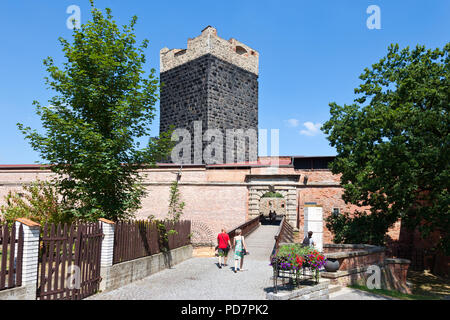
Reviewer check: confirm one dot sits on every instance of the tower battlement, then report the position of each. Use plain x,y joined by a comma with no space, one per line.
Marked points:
232,51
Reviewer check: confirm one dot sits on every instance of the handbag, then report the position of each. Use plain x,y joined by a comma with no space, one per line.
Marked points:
216,251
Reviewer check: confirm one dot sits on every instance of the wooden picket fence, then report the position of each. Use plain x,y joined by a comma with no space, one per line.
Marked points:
140,238
69,267
181,236
11,252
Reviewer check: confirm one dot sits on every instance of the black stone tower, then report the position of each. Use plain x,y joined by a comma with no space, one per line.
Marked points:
210,89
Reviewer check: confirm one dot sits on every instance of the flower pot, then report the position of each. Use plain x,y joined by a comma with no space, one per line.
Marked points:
332,265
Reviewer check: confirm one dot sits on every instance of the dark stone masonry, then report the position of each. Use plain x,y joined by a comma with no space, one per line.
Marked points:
218,93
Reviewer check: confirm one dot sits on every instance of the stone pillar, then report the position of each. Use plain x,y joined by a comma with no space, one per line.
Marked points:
314,222
398,270
107,243
30,257
291,206
255,194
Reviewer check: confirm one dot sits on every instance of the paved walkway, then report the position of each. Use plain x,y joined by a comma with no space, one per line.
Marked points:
201,279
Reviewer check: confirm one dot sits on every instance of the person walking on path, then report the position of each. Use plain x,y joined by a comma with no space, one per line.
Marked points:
223,244
240,249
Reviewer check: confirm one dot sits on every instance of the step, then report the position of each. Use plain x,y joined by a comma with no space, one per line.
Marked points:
334,288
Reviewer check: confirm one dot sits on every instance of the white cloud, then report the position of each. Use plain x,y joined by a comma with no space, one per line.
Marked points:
311,129
292,122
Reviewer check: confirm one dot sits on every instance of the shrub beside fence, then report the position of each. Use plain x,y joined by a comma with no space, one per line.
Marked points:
11,253
141,238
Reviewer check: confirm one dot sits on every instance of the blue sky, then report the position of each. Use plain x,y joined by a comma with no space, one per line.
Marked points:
311,53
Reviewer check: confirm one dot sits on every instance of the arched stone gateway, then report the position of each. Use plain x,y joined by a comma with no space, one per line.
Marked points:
283,184
272,205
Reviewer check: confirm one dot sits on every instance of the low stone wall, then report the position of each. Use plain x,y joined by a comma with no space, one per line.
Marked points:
355,261
24,292
121,274
352,256
319,291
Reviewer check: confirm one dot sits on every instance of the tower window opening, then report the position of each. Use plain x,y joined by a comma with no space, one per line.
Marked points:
240,50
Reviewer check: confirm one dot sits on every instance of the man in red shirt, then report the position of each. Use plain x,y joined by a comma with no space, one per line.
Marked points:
224,245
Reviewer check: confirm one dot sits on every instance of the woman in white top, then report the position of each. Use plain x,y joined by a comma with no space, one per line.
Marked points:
239,249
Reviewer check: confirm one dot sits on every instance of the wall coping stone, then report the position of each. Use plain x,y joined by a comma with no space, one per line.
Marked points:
106,221
28,222
367,249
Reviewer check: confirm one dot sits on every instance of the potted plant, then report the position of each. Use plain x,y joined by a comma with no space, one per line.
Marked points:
332,265
294,259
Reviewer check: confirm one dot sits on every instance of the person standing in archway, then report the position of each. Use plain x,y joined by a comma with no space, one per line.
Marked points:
223,244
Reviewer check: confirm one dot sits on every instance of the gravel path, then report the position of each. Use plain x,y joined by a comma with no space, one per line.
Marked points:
201,279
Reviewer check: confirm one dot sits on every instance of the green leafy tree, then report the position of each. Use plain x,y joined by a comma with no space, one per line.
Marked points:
358,227
103,107
393,144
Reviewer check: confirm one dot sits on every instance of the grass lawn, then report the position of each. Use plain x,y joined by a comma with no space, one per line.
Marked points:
425,286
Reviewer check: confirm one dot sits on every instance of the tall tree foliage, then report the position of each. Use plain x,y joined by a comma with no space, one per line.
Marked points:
393,144
103,105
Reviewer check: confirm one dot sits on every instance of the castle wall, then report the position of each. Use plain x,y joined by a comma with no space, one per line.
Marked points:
215,197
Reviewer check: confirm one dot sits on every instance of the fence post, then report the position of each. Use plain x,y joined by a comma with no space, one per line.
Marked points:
107,252
30,256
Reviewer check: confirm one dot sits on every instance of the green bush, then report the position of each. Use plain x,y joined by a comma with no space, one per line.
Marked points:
39,202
